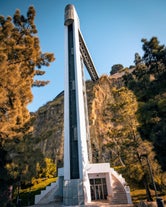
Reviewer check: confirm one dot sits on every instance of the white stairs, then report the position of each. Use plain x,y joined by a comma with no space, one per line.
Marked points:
47,195
119,196
120,191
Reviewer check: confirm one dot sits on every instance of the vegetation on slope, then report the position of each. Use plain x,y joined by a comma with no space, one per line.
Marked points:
20,60
127,113
149,85
120,113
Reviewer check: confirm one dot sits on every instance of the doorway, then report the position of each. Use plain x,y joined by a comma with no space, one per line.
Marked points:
98,189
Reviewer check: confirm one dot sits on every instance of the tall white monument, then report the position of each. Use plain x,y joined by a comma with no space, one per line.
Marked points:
81,181
76,128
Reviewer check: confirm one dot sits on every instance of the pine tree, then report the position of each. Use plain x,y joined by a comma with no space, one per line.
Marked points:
148,83
20,60
153,51
126,144
20,56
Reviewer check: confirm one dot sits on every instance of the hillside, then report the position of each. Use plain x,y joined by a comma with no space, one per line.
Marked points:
119,121
127,116
48,124
48,129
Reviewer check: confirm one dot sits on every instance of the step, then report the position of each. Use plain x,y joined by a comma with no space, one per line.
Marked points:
44,194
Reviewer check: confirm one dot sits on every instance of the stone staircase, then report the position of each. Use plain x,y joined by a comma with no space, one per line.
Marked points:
48,195
119,194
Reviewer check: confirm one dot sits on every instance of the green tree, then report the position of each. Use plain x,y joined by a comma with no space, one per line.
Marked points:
20,60
124,134
148,83
5,179
20,56
23,160
126,144
48,171
137,60
153,51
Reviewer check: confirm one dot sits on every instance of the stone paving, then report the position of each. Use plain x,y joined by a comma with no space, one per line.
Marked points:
92,204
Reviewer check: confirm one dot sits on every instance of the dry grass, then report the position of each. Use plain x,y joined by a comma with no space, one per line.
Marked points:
140,195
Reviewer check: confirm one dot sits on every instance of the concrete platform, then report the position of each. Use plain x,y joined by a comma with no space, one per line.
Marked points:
92,204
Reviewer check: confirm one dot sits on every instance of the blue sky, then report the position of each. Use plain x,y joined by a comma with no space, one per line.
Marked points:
112,29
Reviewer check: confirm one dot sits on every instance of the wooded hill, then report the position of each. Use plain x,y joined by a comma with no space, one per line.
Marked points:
127,116
127,112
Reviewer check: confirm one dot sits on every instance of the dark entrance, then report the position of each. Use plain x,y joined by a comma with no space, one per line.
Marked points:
98,189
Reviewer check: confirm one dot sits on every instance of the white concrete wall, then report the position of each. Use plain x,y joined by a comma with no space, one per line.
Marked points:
81,119
66,113
100,170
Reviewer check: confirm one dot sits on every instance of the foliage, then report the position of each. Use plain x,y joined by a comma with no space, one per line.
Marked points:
20,60
27,195
153,51
48,171
124,129
5,179
122,137
125,143
149,85
23,168
116,68
20,54
28,162
24,159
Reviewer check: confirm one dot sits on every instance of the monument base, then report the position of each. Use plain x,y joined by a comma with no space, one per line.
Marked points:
73,192
103,183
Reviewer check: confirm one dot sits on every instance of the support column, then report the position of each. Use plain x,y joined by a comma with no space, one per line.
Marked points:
76,184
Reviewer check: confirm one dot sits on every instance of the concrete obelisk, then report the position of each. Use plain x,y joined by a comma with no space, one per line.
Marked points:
76,189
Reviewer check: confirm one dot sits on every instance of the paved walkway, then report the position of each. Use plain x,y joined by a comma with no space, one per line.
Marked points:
92,204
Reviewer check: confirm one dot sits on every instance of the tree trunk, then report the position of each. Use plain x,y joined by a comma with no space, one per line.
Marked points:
148,194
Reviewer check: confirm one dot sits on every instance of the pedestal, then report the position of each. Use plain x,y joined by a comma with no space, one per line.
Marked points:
73,192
